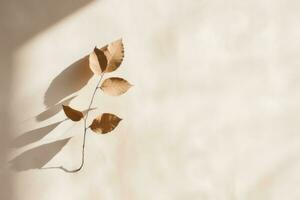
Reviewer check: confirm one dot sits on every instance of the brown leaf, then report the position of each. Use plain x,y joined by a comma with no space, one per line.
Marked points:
114,53
105,123
72,114
97,61
115,86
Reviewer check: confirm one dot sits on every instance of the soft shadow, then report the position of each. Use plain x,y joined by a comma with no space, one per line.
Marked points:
39,133
33,135
23,20
20,22
37,157
72,79
53,110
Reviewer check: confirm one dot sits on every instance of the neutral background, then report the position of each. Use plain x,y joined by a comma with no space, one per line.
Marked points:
213,114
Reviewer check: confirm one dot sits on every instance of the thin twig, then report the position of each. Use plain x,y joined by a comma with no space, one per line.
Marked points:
60,167
85,125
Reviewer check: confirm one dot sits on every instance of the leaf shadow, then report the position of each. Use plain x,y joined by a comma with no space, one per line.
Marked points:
39,133
53,110
37,157
34,135
70,80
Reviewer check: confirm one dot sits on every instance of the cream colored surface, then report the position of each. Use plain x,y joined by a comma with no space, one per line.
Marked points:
213,114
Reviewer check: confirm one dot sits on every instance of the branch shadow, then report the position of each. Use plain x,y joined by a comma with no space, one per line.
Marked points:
70,80
37,157
50,112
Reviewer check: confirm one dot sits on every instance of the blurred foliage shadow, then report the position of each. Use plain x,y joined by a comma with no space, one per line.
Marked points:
34,135
70,80
37,157
39,133
50,112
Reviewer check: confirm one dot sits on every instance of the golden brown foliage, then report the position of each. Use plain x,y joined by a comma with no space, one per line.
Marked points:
72,114
115,86
105,123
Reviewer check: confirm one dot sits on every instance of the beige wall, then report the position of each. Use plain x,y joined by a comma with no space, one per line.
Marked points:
213,113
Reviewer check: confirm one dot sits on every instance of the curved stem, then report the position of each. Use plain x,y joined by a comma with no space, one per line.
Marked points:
85,125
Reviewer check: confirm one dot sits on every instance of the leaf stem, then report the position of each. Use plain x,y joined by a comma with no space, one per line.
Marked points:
85,125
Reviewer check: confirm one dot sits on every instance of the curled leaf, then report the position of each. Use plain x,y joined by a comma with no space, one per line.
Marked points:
114,53
97,61
115,86
72,114
105,123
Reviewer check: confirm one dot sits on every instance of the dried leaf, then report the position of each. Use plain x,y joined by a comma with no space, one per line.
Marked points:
72,114
115,86
97,61
105,123
114,53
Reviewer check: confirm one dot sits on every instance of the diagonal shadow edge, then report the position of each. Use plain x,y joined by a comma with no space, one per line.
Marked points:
20,30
